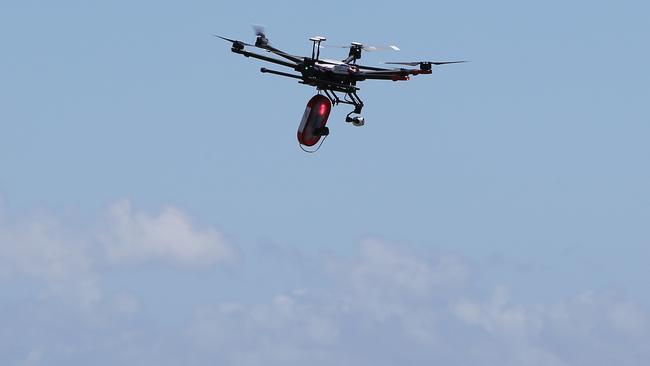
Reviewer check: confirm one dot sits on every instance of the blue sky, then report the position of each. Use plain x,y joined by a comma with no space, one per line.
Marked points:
155,206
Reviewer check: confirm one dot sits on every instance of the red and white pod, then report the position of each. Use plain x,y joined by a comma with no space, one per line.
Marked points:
314,120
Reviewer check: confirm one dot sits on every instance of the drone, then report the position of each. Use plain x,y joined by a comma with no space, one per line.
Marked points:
336,79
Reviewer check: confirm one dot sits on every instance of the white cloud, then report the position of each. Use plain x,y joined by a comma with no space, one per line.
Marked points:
385,266
55,305
385,279
168,236
44,250
40,248
61,259
385,305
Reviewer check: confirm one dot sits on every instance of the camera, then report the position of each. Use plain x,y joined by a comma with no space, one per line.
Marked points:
357,121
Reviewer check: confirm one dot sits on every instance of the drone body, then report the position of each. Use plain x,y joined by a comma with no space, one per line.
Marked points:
329,77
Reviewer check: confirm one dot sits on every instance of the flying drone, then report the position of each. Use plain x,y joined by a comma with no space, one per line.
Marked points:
329,77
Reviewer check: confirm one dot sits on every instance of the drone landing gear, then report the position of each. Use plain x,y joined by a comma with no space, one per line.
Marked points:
351,98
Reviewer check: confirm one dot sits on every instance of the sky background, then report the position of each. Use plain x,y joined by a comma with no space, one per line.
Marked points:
155,207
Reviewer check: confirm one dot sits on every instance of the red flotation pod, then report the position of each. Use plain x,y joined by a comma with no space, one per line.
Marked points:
312,126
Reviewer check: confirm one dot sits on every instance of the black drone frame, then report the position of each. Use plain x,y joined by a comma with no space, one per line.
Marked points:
326,81
305,66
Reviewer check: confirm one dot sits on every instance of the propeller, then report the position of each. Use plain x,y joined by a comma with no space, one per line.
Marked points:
261,41
424,65
234,40
421,63
367,48
260,33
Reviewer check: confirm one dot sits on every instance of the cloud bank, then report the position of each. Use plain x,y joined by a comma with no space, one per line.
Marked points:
384,305
65,258
387,306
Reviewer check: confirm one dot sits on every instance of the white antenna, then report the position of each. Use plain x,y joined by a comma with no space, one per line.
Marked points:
315,49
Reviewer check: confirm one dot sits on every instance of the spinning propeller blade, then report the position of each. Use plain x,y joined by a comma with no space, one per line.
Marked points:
367,48
260,31
233,40
374,48
260,42
416,63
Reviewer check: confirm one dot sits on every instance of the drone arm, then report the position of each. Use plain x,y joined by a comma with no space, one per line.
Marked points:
319,83
264,70
395,75
292,65
289,57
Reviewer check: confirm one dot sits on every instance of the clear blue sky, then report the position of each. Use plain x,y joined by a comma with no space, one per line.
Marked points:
151,187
